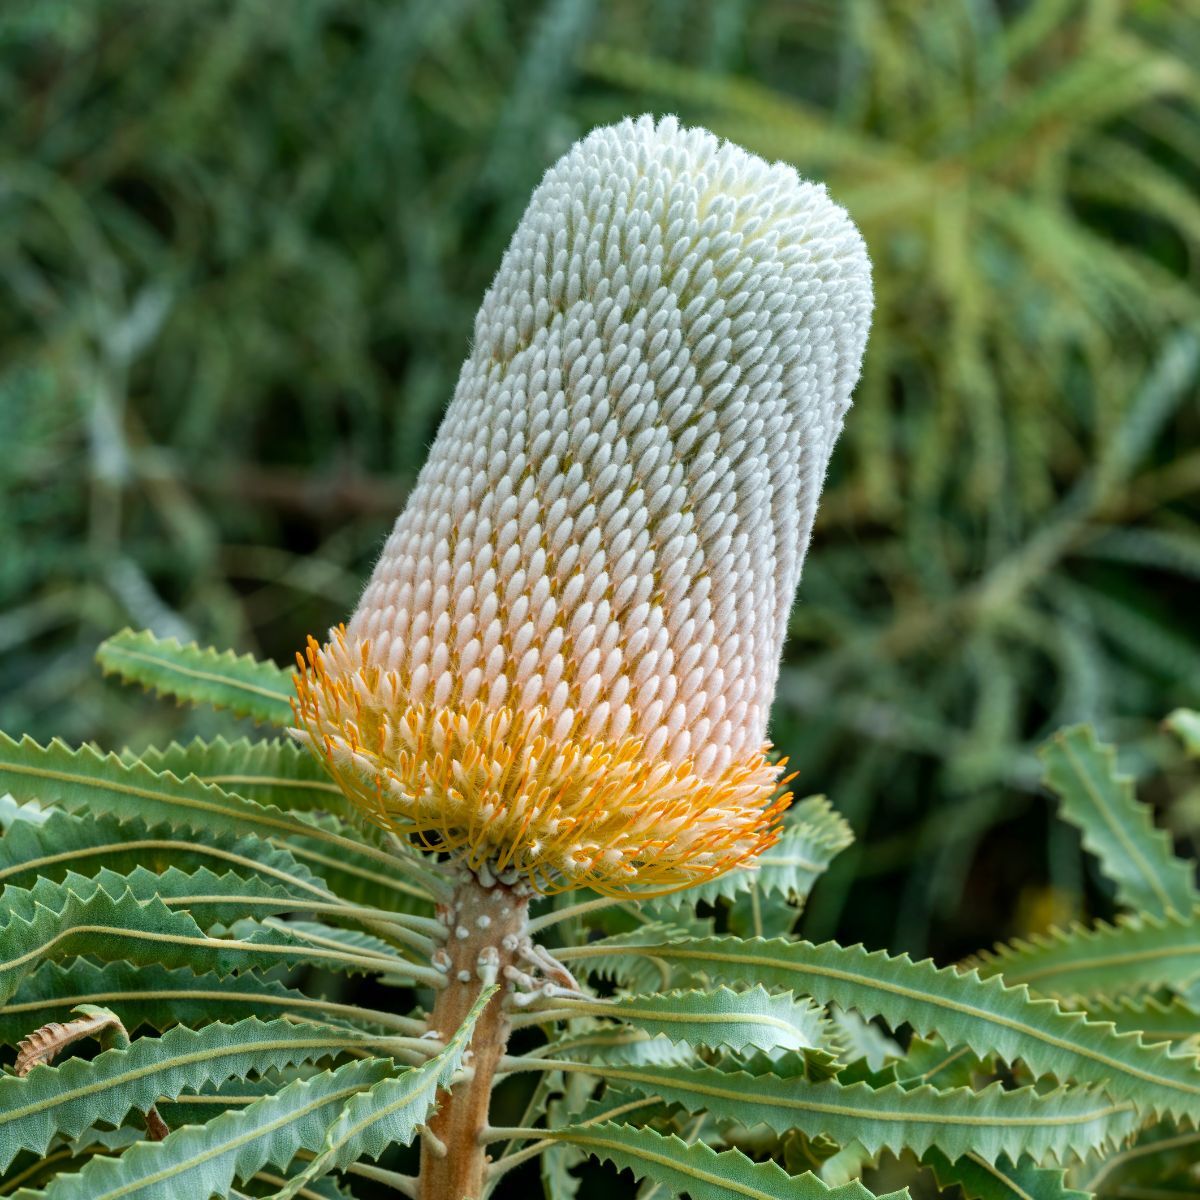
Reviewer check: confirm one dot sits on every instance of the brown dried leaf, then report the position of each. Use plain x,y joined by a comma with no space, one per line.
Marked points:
43,1044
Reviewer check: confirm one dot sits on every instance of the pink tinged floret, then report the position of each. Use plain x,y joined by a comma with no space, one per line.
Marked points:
564,661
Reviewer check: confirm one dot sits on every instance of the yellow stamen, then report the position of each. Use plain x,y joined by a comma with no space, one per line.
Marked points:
494,787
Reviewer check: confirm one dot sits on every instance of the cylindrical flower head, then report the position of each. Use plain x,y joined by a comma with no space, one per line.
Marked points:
563,664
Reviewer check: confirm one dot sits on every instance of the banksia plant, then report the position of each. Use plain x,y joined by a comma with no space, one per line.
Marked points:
527,789
562,667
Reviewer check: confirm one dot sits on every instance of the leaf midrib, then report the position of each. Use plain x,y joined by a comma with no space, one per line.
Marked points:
895,1116
193,673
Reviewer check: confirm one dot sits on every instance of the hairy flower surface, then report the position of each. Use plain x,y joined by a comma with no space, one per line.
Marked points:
563,664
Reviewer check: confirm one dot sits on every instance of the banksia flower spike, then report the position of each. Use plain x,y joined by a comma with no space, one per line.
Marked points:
562,667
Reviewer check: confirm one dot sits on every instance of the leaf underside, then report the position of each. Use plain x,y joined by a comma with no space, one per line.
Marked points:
983,1014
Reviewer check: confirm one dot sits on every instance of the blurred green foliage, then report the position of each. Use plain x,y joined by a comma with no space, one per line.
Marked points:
241,246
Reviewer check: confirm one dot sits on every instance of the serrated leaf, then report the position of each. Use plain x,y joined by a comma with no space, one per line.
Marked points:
1063,1125
1116,827
391,1112
814,836
984,1180
931,1061
859,1038
1134,954
1171,1020
700,1171
49,848
360,876
753,914
607,958
211,899
199,1107
1184,723
155,997
813,1065
109,927
85,781
558,1158
737,1020
962,1008
200,675
614,1105
350,939
393,969
206,1160
604,1044
275,771
1159,1157
79,1094
317,1189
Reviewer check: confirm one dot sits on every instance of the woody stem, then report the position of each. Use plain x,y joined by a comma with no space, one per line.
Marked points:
486,925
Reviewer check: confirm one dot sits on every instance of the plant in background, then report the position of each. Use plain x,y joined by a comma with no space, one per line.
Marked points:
535,805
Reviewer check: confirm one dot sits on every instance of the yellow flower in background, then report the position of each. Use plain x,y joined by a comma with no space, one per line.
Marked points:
562,667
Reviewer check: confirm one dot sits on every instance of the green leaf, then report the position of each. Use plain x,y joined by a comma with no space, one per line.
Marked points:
860,1039
109,927
814,836
984,1180
318,1189
275,772
1184,723
30,850
813,1065
199,1107
390,1113
1171,1020
195,675
1160,1156
557,1161
392,969
205,1160
609,958
70,1098
1131,955
1138,857
1064,1124
158,998
754,915
604,1044
210,899
930,1060
698,1170
287,776
962,1008
739,1020
84,780
361,875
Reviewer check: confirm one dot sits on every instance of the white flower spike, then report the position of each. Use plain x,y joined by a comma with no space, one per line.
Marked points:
563,664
